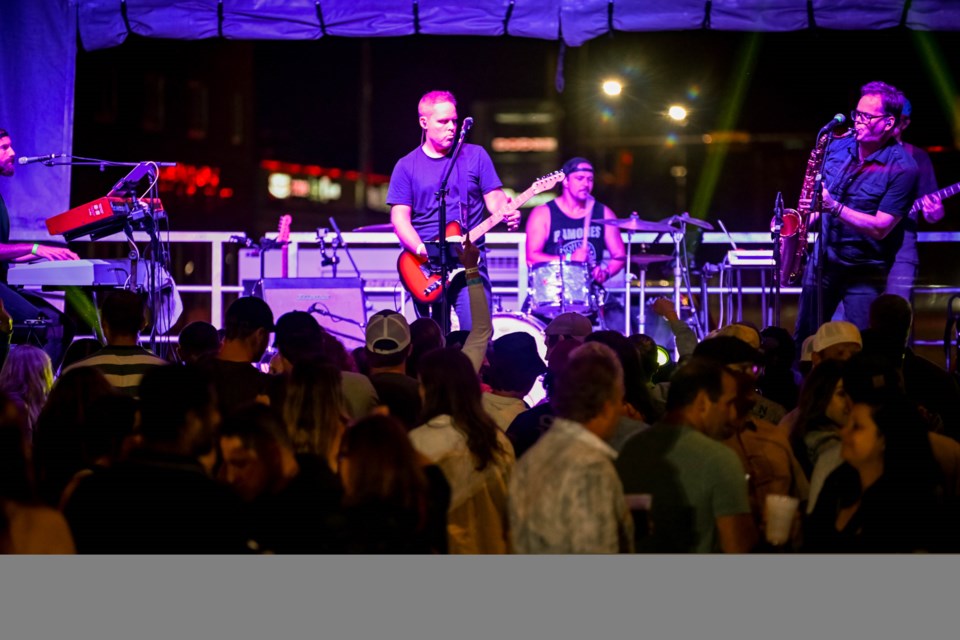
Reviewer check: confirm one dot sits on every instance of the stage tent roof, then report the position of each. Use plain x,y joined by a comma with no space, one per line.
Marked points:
107,23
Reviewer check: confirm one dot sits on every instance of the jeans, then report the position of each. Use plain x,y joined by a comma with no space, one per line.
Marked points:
855,288
901,279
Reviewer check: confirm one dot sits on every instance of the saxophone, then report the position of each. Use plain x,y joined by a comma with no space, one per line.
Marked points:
793,233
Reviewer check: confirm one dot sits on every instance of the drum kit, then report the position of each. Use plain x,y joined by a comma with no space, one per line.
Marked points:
567,286
559,287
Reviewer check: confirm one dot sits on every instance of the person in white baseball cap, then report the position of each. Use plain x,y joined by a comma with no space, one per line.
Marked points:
836,341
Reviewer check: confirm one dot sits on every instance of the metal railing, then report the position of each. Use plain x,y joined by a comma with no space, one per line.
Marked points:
497,243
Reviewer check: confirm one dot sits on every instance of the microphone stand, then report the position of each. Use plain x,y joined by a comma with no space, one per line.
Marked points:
342,243
442,242
322,310
327,260
265,244
817,206
777,258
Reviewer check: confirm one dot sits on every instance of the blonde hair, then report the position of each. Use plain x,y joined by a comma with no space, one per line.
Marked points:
313,409
27,375
432,98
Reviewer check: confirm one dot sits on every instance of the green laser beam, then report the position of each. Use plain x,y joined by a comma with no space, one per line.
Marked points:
942,80
717,153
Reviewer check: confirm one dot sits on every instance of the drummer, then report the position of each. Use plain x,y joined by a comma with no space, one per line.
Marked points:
557,228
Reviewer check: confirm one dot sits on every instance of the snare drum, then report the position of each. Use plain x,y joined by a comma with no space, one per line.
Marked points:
506,322
558,287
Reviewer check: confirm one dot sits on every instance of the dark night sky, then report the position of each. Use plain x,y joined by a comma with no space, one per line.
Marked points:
303,101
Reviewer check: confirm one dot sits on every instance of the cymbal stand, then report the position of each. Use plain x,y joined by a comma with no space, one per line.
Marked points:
680,272
628,277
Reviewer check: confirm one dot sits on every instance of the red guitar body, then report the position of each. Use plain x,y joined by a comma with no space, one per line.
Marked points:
420,276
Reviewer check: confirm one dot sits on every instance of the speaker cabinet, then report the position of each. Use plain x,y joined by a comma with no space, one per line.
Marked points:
338,304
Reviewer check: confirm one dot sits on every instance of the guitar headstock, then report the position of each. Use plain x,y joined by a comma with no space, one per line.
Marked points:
283,228
548,181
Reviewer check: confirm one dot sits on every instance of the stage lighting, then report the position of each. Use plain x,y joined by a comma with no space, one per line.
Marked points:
612,87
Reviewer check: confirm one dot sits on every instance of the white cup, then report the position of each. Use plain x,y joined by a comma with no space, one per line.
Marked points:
639,501
780,512
639,505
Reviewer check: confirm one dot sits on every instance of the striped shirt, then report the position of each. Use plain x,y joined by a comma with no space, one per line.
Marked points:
123,366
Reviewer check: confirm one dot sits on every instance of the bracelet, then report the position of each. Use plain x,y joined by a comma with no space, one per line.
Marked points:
472,270
838,210
36,247
472,281
421,249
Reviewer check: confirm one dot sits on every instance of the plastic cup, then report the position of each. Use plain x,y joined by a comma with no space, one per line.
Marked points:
639,505
780,512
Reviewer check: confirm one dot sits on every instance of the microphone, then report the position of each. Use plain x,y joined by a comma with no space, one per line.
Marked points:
467,125
838,120
46,158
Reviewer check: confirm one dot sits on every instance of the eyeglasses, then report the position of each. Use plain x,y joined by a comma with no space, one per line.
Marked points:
867,118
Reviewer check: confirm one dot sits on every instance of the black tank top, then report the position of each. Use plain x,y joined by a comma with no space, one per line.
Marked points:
566,233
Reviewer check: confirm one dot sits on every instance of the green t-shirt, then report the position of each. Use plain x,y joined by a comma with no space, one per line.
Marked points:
693,480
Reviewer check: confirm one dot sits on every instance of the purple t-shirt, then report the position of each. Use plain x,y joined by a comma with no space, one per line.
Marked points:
927,184
416,178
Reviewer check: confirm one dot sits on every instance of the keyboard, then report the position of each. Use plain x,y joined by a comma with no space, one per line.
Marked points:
99,218
81,273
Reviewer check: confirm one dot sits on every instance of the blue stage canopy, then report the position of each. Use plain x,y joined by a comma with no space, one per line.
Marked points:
107,23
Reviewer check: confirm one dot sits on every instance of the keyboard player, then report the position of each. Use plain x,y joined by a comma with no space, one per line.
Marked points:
50,326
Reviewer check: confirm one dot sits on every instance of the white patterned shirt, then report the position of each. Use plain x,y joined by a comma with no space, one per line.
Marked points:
566,497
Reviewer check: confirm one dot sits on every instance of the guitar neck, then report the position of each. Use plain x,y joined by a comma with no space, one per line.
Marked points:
946,192
496,218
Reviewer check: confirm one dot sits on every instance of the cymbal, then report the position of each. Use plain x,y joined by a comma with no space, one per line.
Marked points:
649,258
633,223
371,228
688,219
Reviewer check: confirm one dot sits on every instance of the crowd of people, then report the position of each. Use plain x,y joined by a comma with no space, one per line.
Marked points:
420,443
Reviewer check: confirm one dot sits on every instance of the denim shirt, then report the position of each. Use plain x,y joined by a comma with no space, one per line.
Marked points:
886,181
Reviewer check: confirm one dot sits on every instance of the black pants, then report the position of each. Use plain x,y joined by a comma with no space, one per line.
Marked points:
856,288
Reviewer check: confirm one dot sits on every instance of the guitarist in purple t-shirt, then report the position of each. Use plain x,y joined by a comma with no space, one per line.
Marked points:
414,210
904,270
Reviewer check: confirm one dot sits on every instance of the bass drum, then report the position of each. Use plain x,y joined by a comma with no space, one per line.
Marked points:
505,322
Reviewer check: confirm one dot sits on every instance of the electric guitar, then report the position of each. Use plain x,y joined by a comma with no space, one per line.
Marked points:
283,236
422,278
942,194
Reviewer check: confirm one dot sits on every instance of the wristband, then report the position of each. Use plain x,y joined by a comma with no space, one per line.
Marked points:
421,249
35,248
472,281
837,210
472,270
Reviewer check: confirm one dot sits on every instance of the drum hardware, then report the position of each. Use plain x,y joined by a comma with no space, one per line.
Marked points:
643,260
681,270
634,223
686,218
559,287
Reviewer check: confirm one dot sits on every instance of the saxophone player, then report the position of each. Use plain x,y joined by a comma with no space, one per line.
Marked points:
869,185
